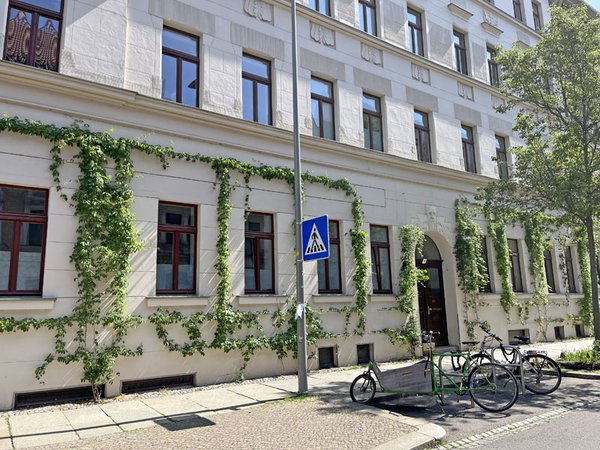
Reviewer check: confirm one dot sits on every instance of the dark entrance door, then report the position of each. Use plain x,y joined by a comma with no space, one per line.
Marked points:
432,305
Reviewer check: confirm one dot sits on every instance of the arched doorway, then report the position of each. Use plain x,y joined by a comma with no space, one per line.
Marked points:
432,305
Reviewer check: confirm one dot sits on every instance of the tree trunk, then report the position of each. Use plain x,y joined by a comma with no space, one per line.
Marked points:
589,225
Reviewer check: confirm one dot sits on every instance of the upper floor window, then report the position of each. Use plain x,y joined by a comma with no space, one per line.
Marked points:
570,271
322,6
256,89
537,16
23,219
501,157
259,259
485,270
493,67
33,33
321,103
518,9
367,12
515,265
176,256
468,146
422,139
329,270
180,67
460,52
380,260
372,122
415,35
549,269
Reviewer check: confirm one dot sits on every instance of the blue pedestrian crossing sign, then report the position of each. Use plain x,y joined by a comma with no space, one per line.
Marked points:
315,238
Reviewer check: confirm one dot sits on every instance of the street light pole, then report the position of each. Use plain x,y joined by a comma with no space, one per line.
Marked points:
300,315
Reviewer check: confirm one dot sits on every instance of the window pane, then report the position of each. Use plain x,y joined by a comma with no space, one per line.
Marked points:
376,134
366,131
413,17
22,200
466,133
328,132
434,279
266,264
384,262
259,223
370,103
164,261
30,257
169,78
189,83
250,282
264,104
374,268
248,99
379,234
334,267
321,275
176,215
320,87
316,122
46,44
51,5
334,232
180,42
185,273
420,119
18,36
6,239
255,66
370,21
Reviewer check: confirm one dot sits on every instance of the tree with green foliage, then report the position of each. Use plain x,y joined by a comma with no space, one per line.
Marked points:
555,86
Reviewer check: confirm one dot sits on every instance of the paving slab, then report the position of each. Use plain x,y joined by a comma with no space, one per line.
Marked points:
261,392
286,384
218,400
5,442
175,407
91,421
131,415
41,429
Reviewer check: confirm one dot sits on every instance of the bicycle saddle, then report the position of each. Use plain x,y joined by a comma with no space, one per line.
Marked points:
522,339
469,342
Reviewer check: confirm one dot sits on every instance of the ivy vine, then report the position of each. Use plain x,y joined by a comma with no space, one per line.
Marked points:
536,244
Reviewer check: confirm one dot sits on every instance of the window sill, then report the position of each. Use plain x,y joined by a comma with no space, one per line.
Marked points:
382,298
169,301
332,298
27,304
261,299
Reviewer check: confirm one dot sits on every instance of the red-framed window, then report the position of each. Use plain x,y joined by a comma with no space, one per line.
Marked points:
33,32
259,255
23,224
180,63
381,263
329,270
176,256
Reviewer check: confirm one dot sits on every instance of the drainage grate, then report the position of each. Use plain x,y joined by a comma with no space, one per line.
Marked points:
54,397
154,384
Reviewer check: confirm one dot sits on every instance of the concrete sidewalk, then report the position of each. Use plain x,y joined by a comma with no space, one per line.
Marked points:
77,425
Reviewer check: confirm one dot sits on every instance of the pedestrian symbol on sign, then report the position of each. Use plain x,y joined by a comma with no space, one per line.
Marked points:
315,238
315,243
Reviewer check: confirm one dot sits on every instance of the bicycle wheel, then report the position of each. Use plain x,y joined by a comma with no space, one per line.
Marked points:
362,389
542,374
493,387
478,359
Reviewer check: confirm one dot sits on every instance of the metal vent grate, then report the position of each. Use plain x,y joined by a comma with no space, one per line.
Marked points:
154,384
54,397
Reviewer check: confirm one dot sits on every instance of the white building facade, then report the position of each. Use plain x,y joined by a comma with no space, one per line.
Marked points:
396,97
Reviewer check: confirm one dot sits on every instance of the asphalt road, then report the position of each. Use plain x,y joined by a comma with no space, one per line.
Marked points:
569,416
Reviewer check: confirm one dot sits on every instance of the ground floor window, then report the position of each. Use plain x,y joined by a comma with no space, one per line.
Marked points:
259,258
23,220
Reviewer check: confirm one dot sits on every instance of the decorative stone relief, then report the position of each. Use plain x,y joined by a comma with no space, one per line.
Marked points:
465,91
497,102
420,73
431,221
371,54
322,35
490,24
259,9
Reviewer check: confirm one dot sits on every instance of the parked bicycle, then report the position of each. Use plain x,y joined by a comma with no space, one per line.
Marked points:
491,386
541,374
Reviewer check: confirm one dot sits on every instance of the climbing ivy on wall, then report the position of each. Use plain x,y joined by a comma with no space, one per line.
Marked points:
106,240
536,244
585,303
470,265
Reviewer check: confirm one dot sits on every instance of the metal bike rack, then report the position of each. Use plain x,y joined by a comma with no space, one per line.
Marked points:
517,365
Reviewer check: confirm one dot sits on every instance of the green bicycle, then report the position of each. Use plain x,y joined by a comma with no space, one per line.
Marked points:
491,386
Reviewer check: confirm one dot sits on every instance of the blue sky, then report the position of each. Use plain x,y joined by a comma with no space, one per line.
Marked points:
594,3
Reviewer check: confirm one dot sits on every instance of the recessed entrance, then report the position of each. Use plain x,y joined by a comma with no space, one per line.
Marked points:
432,305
